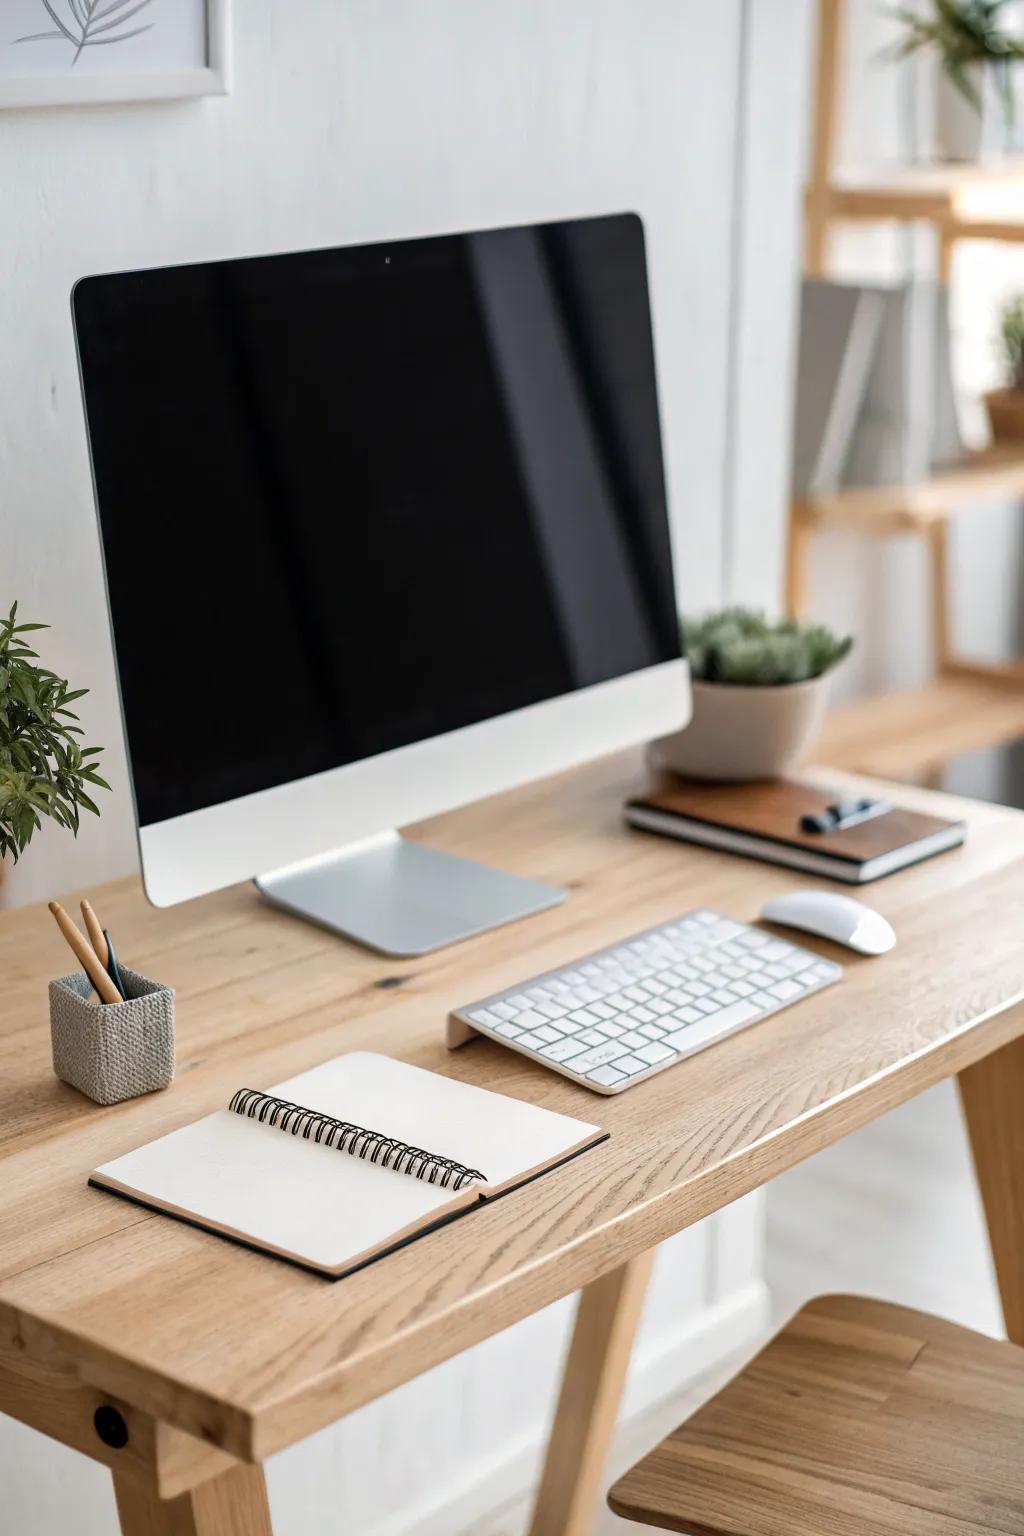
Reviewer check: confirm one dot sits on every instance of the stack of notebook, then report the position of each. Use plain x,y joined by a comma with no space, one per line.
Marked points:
875,399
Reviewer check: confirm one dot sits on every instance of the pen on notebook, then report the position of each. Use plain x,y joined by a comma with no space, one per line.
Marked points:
86,956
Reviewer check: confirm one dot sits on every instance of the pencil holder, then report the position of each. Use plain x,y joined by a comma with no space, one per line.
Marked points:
112,1051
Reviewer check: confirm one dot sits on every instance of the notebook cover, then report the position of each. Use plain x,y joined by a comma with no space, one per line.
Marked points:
771,812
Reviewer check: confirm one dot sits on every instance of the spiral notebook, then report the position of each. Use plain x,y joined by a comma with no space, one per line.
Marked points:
343,1164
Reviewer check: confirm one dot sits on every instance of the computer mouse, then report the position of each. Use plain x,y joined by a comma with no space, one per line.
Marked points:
835,917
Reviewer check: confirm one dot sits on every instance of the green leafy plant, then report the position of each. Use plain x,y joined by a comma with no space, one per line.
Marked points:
43,769
1011,332
963,32
740,646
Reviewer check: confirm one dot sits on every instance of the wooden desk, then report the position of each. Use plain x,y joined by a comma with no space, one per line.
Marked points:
216,1357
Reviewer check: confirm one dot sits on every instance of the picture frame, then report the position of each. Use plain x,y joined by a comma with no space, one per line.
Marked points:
112,74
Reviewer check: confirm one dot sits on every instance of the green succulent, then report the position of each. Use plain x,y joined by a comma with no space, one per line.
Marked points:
1011,331
739,645
963,32
43,770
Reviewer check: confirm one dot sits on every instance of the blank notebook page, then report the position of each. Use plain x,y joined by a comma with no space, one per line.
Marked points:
327,1208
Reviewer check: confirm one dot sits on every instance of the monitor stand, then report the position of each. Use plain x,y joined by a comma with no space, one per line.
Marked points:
402,898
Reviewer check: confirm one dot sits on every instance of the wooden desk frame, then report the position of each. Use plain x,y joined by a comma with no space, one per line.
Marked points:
186,1461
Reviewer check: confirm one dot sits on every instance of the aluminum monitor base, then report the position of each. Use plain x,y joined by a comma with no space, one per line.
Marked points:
402,898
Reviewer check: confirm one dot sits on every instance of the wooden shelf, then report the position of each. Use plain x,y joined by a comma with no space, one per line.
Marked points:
968,202
991,474
911,733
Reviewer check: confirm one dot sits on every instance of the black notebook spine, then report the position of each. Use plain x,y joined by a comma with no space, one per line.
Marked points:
356,1140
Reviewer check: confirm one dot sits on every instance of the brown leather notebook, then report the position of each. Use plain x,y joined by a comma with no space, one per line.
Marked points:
763,822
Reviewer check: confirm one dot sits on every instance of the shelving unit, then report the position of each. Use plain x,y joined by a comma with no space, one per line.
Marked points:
961,202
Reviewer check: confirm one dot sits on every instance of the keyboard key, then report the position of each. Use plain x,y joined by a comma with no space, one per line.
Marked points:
583,1016
606,1076
631,1039
705,1005
642,1016
547,1033
531,1041
654,1031
740,1013
508,1030
530,1018
503,1010
786,989
597,1056
688,1015
602,1011
485,1016
591,1037
551,1010
654,1052
723,996
742,988
518,1002
561,1050
608,1029
631,1065
568,1026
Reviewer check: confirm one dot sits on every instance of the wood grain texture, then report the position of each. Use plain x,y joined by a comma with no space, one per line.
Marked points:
911,733
588,1404
251,1355
234,1504
49,1398
992,1094
859,1416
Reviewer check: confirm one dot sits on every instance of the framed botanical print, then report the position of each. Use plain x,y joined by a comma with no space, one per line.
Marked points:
55,52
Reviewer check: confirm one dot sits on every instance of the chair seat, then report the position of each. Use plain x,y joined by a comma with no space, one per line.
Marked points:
858,1419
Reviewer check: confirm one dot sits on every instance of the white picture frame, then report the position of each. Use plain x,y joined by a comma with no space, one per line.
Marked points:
60,87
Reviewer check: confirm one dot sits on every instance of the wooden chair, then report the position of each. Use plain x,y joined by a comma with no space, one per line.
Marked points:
858,1419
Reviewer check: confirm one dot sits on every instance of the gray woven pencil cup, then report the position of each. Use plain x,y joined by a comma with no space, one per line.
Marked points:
112,1051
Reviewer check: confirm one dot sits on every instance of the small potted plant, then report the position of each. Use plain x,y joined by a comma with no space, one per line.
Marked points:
44,771
759,695
1006,406
976,55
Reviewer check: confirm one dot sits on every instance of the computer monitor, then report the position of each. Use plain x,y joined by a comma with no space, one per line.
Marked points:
385,532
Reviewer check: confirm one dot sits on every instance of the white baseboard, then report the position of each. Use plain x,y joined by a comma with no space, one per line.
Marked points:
664,1367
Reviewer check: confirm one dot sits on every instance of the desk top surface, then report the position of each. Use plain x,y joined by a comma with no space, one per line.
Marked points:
252,1354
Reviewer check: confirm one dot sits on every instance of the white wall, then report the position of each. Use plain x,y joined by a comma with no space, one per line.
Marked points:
382,118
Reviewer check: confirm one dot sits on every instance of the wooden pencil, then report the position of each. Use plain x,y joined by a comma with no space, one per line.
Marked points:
95,932
108,993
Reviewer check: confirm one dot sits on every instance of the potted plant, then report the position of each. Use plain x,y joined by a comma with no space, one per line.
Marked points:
1006,406
759,695
43,769
976,56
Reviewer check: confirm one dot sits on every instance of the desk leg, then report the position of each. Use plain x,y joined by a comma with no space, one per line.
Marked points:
233,1504
595,1369
992,1094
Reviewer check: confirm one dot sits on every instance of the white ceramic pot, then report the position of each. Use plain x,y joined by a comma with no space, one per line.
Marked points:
738,733
960,128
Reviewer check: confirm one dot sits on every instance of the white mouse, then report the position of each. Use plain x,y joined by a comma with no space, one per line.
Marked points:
835,917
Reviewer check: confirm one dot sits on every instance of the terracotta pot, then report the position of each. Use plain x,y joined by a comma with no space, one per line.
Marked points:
739,733
1006,414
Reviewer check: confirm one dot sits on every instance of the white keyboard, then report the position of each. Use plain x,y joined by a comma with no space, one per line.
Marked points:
627,1012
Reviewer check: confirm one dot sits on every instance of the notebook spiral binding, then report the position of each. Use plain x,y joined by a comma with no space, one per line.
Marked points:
354,1139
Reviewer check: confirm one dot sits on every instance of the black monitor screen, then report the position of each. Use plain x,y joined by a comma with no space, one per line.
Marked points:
352,499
